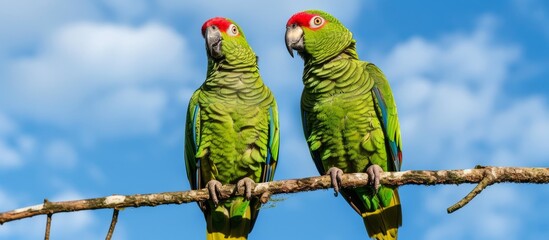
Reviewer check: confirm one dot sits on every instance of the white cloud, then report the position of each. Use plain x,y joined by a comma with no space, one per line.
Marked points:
7,202
488,216
116,54
32,228
447,92
98,78
6,125
14,145
95,173
455,113
9,157
520,132
61,154
254,12
129,111
536,11
475,58
128,9
25,143
71,222
27,21
72,225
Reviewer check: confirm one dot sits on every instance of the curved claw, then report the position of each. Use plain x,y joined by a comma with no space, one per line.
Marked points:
248,185
335,176
213,189
374,174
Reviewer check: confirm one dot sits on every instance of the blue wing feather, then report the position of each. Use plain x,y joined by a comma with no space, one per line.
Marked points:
270,143
384,117
195,119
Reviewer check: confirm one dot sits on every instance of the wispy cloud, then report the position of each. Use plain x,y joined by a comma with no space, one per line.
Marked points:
28,22
14,145
248,11
99,79
7,202
449,92
489,216
79,225
535,10
6,125
9,158
60,154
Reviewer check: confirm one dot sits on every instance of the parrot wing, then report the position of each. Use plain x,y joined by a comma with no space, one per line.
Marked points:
192,138
387,113
272,146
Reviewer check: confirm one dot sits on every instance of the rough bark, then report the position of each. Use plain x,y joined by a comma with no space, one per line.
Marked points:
483,175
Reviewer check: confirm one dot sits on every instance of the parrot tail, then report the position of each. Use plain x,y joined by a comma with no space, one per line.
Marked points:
229,221
383,223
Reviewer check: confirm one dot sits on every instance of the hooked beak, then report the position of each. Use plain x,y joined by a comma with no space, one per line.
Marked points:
213,41
294,39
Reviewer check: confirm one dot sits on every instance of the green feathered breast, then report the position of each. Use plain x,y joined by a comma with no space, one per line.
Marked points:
341,121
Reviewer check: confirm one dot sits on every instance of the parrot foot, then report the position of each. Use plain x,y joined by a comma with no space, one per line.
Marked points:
248,184
335,176
374,174
213,187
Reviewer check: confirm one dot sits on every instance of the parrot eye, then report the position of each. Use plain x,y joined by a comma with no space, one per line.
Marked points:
316,22
233,30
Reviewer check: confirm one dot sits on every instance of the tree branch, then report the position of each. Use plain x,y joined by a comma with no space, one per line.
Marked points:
417,177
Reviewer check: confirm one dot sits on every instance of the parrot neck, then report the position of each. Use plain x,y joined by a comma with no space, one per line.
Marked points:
332,77
224,67
348,53
233,64
231,81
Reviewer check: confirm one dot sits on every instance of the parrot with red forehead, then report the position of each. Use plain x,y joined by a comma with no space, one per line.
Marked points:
349,117
232,131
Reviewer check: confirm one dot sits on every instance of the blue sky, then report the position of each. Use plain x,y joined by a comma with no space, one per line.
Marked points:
93,97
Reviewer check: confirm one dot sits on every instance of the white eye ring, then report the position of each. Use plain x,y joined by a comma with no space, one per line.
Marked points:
316,22
232,30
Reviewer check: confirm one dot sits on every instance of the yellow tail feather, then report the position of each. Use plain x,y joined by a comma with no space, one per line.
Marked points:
220,226
383,223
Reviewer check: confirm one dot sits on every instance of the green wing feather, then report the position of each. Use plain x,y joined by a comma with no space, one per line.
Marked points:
386,104
273,144
192,138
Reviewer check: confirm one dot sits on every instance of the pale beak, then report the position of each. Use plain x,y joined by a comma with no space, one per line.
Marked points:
213,41
294,39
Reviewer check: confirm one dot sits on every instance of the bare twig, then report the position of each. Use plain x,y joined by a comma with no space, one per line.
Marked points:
488,180
113,224
48,226
417,177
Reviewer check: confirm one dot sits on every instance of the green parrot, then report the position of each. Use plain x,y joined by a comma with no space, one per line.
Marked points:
349,117
232,131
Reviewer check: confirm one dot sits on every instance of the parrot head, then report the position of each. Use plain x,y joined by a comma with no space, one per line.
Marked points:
316,35
223,37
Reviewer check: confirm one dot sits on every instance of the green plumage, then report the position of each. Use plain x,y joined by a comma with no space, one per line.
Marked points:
232,133
341,121
346,124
